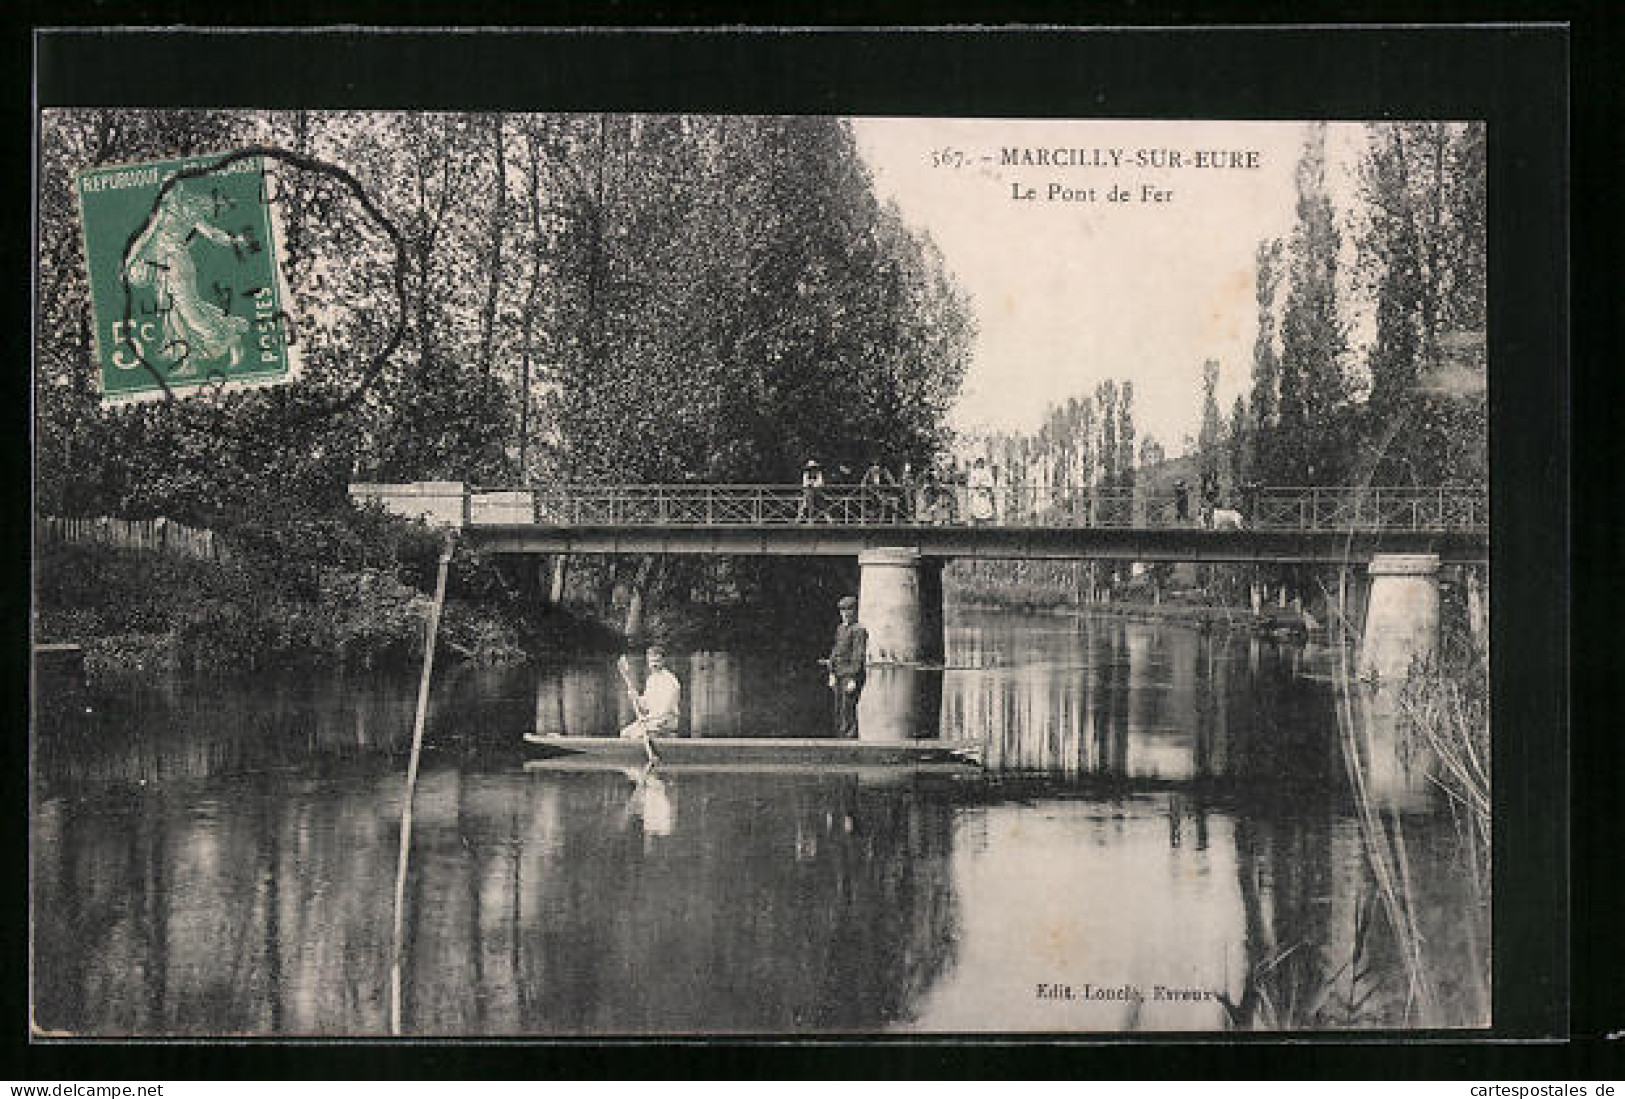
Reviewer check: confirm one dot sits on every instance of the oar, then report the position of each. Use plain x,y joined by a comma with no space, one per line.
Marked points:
637,707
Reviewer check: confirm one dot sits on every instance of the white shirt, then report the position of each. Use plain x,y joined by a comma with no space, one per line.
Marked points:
981,485
661,699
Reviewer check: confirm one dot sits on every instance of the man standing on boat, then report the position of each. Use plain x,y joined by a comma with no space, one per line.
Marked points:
846,668
659,705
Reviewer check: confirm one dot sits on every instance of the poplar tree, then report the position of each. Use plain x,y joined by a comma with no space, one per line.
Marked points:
1106,398
1314,389
1266,363
1210,433
1239,443
1125,434
1422,257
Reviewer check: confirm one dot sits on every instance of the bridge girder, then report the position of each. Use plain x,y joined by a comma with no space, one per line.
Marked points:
1320,547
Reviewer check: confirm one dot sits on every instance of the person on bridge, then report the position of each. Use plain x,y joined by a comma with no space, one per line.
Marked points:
812,484
878,497
1249,499
846,667
1182,502
981,484
926,507
959,477
944,495
659,706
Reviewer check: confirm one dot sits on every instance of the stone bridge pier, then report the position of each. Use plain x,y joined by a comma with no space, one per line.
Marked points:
1402,614
900,604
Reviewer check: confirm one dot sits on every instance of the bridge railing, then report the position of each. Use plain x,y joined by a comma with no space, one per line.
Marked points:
721,505
1368,508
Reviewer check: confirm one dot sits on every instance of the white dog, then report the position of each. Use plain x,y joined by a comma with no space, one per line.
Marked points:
1224,519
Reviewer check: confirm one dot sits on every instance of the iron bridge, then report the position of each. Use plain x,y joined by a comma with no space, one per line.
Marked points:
1310,525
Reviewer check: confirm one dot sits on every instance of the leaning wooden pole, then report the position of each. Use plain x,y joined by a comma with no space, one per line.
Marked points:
412,782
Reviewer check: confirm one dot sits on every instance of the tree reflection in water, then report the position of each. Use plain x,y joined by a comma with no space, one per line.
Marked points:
1370,910
537,905
1164,807
800,903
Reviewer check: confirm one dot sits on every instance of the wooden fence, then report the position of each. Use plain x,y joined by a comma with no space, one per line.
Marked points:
164,535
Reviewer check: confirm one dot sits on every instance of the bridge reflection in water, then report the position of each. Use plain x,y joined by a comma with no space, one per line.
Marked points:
1168,809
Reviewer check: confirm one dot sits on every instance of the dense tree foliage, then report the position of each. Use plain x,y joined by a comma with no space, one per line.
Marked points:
1313,399
1422,258
737,302
509,298
1418,264
586,297
657,298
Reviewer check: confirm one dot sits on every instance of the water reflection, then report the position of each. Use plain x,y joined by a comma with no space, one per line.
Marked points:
1114,698
219,859
901,703
539,903
724,695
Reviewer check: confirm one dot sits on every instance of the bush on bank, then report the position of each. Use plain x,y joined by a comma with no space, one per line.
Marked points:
351,587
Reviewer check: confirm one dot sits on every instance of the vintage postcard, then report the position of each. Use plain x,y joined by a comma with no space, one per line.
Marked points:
752,574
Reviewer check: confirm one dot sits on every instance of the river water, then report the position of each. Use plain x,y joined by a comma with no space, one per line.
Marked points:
1175,831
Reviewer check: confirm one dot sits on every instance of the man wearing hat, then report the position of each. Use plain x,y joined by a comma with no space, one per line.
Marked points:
846,672
812,480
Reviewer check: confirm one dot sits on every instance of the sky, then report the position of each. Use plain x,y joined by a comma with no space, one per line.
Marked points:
1069,288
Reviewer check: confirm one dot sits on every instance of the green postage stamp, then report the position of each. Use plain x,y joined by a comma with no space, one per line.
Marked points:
185,280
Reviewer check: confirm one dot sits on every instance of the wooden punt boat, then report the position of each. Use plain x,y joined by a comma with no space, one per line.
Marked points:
755,752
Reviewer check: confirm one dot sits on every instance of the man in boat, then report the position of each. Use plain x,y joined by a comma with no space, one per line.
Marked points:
846,668
659,705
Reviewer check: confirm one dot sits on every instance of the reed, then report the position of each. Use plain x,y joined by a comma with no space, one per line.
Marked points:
1438,722
1310,986
1443,710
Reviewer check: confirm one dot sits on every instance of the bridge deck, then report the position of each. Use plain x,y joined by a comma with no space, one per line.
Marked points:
1308,525
1104,543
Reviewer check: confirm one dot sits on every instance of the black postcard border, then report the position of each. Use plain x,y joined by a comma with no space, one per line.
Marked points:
1517,78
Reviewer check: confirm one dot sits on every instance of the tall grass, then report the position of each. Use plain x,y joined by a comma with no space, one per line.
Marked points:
1444,714
1438,724
1439,721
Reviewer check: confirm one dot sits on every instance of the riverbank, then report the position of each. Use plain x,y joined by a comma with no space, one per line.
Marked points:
141,611
292,587
1201,615
352,588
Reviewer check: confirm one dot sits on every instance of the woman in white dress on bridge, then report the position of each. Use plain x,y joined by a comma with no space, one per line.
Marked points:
981,484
